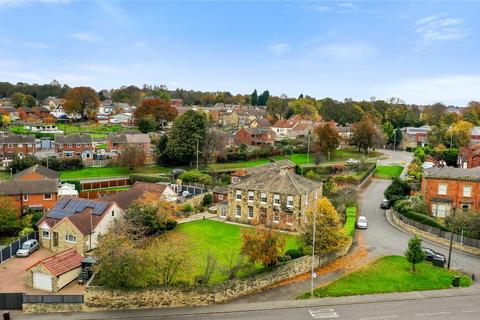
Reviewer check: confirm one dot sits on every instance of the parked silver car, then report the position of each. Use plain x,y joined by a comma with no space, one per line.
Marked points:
27,248
362,222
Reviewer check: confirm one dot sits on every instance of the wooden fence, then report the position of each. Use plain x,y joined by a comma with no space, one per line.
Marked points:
105,183
98,194
11,249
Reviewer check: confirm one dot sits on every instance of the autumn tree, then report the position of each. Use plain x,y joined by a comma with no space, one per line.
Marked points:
327,137
158,109
29,101
364,134
262,245
277,107
329,233
472,112
213,144
414,253
151,218
459,134
188,132
9,223
305,107
132,157
432,114
17,99
131,95
82,100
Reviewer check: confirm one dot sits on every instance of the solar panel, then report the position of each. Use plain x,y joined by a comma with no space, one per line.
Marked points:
101,206
61,203
58,213
67,207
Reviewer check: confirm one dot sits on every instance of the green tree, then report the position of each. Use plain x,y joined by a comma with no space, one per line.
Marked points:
263,98
9,224
188,132
17,99
254,98
277,107
327,137
388,129
414,253
329,233
397,190
29,101
82,100
131,95
147,124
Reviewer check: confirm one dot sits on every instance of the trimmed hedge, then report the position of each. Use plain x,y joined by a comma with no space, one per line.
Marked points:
294,253
146,178
423,219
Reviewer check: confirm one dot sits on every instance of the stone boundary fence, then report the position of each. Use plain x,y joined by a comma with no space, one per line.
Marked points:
98,298
469,245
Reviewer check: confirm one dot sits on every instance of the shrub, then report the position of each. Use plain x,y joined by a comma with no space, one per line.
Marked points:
207,199
25,232
424,219
337,168
397,190
196,176
294,253
187,207
146,178
170,225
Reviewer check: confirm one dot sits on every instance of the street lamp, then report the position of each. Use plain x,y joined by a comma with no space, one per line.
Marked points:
313,253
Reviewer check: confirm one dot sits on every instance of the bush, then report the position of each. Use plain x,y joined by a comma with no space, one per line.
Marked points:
424,219
146,178
397,190
187,207
207,199
294,253
196,176
63,164
171,224
25,232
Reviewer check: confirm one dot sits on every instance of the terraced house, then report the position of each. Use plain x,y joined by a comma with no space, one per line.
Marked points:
74,146
272,195
21,145
446,188
117,143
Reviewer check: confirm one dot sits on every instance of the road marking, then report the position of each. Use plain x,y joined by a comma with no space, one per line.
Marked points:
471,311
323,313
380,318
430,314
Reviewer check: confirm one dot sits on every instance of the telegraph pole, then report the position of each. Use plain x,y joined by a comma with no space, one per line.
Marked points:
394,139
197,154
313,253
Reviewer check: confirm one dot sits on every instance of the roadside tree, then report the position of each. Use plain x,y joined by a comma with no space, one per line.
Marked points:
414,253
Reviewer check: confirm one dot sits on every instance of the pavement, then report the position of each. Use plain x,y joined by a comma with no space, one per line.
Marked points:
197,216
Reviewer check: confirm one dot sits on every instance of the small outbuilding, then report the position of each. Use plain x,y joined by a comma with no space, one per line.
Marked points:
54,273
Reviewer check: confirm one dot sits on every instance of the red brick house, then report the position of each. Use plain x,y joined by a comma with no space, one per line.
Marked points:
21,145
116,144
74,146
469,157
446,188
255,136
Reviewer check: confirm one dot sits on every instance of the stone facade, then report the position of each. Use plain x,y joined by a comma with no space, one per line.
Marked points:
60,243
52,307
40,268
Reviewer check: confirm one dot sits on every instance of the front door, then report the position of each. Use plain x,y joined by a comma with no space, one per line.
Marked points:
55,239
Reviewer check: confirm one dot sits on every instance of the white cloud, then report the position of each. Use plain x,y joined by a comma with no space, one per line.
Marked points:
450,89
343,51
279,48
84,36
435,29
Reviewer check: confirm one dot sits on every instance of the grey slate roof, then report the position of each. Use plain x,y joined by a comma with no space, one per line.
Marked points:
73,138
130,138
278,179
453,173
44,171
18,138
15,187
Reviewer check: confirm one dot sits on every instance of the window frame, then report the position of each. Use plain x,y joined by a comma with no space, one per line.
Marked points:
48,232
444,193
276,217
251,194
262,197
71,235
250,209
276,197
469,192
45,196
238,211
24,197
238,195
289,200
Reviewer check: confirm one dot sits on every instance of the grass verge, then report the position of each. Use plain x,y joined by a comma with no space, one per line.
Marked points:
388,172
390,274
90,173
349,225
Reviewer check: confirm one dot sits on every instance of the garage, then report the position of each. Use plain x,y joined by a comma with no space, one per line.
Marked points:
42,281
55,272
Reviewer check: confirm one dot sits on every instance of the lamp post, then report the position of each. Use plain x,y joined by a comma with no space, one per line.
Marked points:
452,230
394,139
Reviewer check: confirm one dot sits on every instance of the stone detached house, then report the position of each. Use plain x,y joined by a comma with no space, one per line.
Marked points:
261,123
76,223
116,144
35,188
272,195
21,145
446,188
413,137
74,146
125,199
255,136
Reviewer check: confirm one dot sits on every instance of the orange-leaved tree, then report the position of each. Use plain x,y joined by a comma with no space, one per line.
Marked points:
262,245
82,100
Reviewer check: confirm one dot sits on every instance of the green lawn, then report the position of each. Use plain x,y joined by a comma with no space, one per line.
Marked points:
4,175
221,239
349,226
112,189
89,173
388,172
96,130
390,274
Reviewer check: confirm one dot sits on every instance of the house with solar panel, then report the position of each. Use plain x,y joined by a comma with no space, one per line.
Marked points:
76,223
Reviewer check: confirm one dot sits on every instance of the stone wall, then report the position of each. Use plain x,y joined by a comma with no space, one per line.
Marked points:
52,307
98,298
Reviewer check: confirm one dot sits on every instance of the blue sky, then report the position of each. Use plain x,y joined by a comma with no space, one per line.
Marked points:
421,51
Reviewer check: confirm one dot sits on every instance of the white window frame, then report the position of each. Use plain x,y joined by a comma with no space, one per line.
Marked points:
48,236
250,209
20,145
69,145
71,238
276,198
276,217
442,189
69,154
263,196
238,195
45,196
79,145
220,197
289,201
251,196
25,197
10,145
469,193
29,145
238,211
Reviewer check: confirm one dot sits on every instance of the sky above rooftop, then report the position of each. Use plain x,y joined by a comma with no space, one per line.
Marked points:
420,51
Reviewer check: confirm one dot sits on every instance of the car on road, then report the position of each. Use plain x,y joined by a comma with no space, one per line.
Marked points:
353,161
362,222
177,173
385,204
430,255
27,248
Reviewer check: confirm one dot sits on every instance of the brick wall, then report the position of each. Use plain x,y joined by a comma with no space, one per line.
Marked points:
430,188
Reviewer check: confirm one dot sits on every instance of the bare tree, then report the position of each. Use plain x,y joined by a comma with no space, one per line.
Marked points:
209,269
235,262
214,143
132,157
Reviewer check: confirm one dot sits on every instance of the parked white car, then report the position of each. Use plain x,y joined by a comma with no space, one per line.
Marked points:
353,161
362,222
27,248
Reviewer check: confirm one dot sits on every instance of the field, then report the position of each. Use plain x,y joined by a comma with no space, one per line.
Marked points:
390,274
220,239
298,159
349,226
388,172
97,131
89,173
